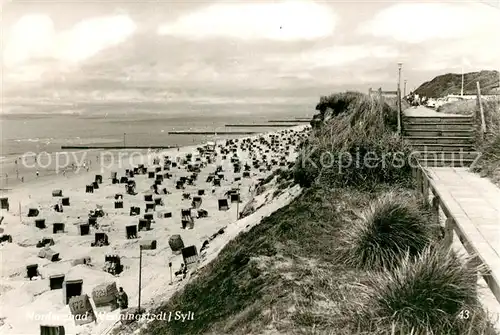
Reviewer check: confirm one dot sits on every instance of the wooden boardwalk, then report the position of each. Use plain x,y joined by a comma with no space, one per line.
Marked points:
474,205
468,206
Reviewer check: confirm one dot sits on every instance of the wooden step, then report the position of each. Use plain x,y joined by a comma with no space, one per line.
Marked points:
439,140
438,133
438,119
445,163
438,126
443,147
447,155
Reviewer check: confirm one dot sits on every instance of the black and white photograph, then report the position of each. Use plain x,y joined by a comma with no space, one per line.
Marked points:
256,167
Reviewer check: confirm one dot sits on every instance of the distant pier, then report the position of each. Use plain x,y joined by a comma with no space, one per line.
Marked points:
212,132
292,121
260,125
86,147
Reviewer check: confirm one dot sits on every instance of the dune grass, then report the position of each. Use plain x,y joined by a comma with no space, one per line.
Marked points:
462,107
488,164
389,228
234,291
470,107
357,147
430,294
353,257
284,276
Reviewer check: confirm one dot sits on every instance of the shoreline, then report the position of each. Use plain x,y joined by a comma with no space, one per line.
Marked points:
23,296
58,170
75,156
14,173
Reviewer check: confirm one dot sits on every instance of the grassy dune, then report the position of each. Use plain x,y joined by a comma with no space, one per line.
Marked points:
450,83
489,163
489,146
360,126
357,252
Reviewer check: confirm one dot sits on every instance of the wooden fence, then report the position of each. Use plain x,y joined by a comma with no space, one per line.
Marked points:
379,92
482,256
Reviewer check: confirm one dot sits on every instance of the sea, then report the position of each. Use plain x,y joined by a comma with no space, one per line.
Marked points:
41,129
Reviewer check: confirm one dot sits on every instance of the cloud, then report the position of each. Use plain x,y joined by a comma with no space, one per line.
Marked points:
473,56
34,37
283,21
343,55
420,22
2,4
333,60
442,35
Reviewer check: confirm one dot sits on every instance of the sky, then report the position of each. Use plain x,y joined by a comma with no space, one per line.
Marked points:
247,51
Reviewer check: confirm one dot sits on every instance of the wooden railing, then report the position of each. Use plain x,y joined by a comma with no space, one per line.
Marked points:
479,251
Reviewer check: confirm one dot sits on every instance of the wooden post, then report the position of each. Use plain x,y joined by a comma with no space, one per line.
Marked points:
400,111
419,180
481,111
425,183
400,65
435,207
238,204
170,266
448,232
238,208
140,278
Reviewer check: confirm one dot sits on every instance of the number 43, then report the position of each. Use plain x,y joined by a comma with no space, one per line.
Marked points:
464,314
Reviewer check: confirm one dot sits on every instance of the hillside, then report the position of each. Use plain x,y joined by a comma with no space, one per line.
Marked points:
450,83
354,253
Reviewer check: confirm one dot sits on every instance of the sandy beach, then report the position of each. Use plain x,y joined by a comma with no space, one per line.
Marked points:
63,164
32,303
